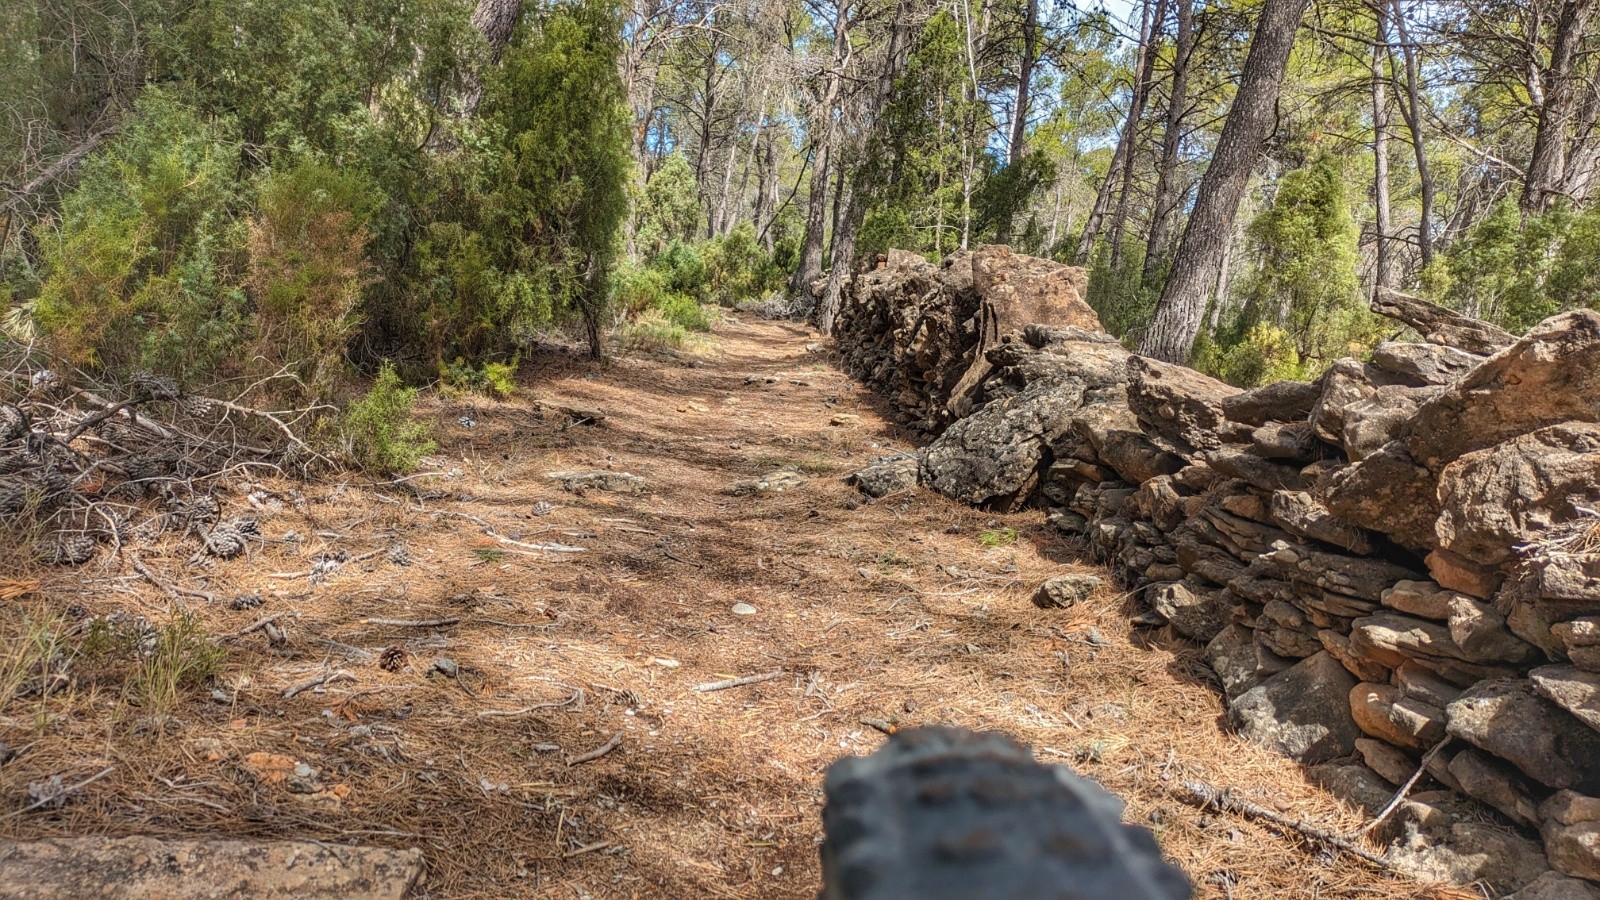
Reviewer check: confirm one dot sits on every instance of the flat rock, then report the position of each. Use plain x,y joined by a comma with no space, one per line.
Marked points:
1178,403
771,483
138,867
1425,364
1391,763
616,482
1393,639
1293,441
1232,655
1354,784
1193,611
1572,689
1280,401
1489,781
1386,713
888,475
1254,470
1387,492
1303,515
1551,375
1066,591
1376,420
1506,718
1458,573
1302,712
1516,492
1473,851
1419,598
1480,631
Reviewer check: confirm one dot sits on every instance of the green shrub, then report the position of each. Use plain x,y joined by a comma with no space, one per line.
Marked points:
378,429
308,244
1265,354
182,658
653,331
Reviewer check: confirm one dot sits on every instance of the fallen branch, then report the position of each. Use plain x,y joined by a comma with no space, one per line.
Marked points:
414,623
710,686
319,681
576,697
1204,796
547,548
602,750
1400,795
176,593
259,624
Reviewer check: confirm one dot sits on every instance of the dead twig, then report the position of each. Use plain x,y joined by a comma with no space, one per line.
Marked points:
414,623
175,593
259,624
736,682
1400,795
602,750
576,698
320,680
1204,796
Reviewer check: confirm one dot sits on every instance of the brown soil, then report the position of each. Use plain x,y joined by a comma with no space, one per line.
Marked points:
911,609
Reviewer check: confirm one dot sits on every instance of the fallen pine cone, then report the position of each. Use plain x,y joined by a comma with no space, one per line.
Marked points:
393,659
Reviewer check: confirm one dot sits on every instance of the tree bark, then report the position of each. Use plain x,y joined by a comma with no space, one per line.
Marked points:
1383,268
1145,71
1250,121
1168,194
809,268
495,20
1547,174
1019,112
1411,111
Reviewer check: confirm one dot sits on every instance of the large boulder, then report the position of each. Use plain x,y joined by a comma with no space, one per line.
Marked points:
1179,404
994,457
1506,718
1511,494
1302,712
1280,401
1551,375
1389,493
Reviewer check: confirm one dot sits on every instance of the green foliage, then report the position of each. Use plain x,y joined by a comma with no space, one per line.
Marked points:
1119,296
308,263
182,658
378,428
560,195
669,209
143,268
997,537
1264,354
1517,271
737,268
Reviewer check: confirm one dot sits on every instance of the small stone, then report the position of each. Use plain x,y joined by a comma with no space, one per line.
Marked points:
1387,714
1393,764
1064,591
1572,834
743,609
843,419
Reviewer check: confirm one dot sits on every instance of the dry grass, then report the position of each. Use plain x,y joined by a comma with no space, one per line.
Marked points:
899,610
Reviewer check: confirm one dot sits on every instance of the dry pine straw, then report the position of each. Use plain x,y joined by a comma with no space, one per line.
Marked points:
892,610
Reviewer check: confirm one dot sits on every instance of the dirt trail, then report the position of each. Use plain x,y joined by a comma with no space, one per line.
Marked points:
911,609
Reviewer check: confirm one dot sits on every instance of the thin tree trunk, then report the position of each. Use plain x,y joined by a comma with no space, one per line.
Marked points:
1411,111
1102,203
853,210
1149,33
809,268
1383,268
1168,193
1019,112
1250,121
1546,178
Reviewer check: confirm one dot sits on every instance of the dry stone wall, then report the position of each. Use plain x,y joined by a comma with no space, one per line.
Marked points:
1395,567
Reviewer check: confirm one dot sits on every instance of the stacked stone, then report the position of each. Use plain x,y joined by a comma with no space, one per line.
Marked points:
1397,563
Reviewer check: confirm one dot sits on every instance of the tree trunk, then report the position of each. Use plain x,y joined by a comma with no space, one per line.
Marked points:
1250,121
809,268
1546,178
1102,202
852,209
1383,268
1145,71
1411,111
495,20
1168,191
1019,112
